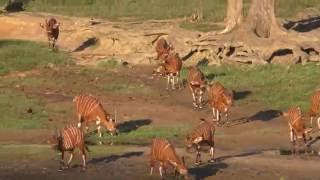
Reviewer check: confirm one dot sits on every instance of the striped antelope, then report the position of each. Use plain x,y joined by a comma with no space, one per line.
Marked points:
51,27
315,108
163,49
220,100
203,133
197,84
173,65
89,109
68,139
164,153
296,126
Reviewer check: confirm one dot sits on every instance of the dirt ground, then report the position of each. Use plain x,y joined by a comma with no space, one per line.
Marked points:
245,150
249,149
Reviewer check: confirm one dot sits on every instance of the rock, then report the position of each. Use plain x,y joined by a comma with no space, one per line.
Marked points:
50,66
314,58
30,111
125,63
285,60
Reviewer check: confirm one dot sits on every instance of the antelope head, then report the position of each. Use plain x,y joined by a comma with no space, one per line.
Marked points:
181,168
111,125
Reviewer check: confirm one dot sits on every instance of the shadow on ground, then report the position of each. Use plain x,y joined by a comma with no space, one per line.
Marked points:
265,115
238,95
305,25
133,125
114,158
86,44
204,171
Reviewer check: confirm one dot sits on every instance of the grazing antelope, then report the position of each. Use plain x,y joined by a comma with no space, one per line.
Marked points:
52,28
164,153
68,139
220,100
89,109
173,65
203,133
197,84
296,126
315,108
163,49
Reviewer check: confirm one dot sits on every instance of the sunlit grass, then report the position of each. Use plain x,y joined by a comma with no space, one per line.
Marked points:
16,55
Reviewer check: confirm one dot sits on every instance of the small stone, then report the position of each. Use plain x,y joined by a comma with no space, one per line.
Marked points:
29,110
125,63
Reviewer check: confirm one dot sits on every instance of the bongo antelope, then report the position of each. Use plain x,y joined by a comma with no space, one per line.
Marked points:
164,153
203,133
88,109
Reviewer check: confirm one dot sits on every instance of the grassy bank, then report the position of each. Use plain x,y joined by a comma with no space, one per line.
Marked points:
16,55
273,85
213,10
24,104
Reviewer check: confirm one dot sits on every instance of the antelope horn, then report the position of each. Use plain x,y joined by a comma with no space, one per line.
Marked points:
183,161
115,115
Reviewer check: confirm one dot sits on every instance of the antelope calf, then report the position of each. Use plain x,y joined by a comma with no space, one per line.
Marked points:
164,153
315,108
203,133
197,84
296,126
88,109
220,100
51,27
68,139
163,49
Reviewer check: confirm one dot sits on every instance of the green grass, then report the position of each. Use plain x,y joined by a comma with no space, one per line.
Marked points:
274,86
14,111
202,27
109,63
213,10
143,9
16,55
144,135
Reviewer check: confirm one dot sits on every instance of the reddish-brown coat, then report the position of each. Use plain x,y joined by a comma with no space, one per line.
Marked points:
220,99
197,84
162,48
162,151
314,111
88,109
52,29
